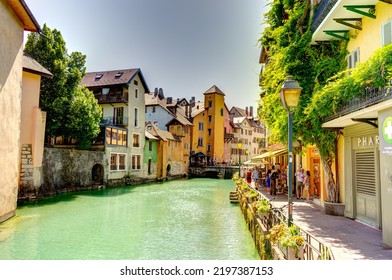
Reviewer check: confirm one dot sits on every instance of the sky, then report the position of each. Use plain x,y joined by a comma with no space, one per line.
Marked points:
182,46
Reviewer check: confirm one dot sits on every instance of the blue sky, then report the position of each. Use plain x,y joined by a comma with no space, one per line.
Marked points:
181,46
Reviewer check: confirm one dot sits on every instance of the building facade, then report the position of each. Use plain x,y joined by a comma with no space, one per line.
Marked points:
15,17
120,93
363,162
33,122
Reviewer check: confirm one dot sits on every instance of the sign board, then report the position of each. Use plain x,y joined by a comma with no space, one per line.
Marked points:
385,130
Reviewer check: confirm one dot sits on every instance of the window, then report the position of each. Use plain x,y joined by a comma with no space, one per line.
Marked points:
136,142
353,59
150,145
386,33
200,142
209,132
201,126
153,109
136,93
105,90
136,117
208,148
209,119
118,75
98,76
135,82
118,115
222,112
209,103
116,136
118,162
136,159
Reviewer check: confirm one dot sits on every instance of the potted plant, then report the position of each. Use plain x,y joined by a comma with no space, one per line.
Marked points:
252,195
262,207
289,237
294,241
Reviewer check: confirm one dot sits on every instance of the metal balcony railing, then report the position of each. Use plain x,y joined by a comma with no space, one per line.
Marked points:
370,96
118,121
322,10
111,98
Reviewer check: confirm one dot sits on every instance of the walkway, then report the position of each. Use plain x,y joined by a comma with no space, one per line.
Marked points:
347,238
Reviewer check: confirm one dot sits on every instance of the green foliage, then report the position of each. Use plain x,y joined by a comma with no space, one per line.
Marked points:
72,112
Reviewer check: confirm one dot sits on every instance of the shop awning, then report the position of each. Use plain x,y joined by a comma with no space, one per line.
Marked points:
269,154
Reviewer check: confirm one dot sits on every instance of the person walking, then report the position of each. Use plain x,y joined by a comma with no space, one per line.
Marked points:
268,181
274,178
248,176
255,176
300,175
307,185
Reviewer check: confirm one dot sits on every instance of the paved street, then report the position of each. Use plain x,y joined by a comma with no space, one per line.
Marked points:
348,238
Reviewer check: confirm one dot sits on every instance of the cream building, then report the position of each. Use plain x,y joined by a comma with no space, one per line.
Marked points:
15,17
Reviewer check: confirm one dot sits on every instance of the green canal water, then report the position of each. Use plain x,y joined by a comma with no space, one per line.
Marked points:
177,220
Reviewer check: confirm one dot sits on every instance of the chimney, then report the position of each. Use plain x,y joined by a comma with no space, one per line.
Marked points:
169,100
156,92
160,93
246,111
192,101
251,111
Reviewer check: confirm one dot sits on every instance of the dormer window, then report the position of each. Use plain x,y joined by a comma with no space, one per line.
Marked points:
118,75
98,76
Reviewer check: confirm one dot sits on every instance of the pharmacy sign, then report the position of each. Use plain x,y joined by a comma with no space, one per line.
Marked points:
385,126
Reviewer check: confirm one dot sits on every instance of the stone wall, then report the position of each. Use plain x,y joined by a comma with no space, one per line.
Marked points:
70,169
26,170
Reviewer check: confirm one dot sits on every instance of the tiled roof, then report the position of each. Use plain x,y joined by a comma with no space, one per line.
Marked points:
111,78
214,89
32,66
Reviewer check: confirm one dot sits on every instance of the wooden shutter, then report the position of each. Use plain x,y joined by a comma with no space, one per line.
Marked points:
366,173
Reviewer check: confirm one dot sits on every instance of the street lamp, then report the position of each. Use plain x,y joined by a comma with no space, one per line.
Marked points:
289,95
239,145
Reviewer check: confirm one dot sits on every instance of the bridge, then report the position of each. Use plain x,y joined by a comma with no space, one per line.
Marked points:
225,172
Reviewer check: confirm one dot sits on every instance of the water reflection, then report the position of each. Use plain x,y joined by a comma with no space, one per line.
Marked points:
189,219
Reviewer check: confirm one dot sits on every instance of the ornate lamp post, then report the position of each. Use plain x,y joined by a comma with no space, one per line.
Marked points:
239,145
289,95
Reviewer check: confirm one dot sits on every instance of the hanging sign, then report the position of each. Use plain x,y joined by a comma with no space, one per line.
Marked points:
385,130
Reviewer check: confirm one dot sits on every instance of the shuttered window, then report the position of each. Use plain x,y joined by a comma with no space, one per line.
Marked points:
386,32
365,173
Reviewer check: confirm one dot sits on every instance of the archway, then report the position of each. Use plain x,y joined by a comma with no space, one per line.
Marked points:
97,173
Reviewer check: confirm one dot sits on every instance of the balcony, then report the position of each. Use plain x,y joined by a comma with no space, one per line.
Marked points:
370,97
333,19
228,137
111,98
321,13
116,121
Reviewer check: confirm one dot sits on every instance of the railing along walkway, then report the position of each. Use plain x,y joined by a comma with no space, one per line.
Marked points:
314,248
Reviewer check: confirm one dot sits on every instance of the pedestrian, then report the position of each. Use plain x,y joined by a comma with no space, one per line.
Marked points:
255,175
300,175
248,176
274,178
268,181
307,185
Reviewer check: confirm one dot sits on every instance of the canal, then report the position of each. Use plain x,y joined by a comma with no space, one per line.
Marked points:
184,219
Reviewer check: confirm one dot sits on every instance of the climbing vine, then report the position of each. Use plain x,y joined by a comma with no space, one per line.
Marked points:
287,41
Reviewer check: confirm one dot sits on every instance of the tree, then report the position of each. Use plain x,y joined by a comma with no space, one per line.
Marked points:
72,111
287,39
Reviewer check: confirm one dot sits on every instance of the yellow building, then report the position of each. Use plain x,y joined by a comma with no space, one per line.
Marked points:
363,162
15,17
33,122
208,125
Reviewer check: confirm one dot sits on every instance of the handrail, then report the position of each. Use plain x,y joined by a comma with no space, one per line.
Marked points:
314,249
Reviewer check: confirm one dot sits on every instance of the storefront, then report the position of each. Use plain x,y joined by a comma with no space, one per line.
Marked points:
362,174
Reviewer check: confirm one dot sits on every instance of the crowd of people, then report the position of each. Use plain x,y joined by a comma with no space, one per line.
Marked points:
275,180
